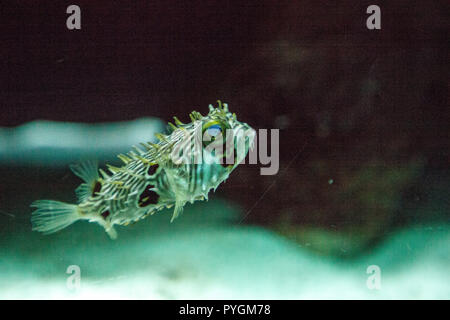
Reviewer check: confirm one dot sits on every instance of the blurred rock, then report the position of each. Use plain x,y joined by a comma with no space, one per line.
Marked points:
361,118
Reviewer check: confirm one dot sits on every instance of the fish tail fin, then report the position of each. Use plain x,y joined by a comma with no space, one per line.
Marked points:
51,216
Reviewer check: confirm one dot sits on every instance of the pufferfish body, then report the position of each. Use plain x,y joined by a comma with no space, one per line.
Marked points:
182,167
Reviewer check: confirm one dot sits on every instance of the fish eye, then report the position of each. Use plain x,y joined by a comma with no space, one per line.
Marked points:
214,130
211,131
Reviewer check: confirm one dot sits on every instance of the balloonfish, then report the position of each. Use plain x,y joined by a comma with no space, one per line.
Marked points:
182,167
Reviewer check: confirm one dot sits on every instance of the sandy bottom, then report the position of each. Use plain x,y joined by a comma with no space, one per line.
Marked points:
206,255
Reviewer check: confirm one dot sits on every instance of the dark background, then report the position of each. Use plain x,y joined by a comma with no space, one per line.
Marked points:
162,57
366,108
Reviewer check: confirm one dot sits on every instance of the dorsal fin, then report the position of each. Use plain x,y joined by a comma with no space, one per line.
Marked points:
88,172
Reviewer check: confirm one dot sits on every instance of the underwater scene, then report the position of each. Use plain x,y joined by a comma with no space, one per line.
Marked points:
248,151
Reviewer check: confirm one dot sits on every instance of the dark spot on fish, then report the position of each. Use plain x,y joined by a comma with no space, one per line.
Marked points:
105,214
97,188
152,170
148,197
